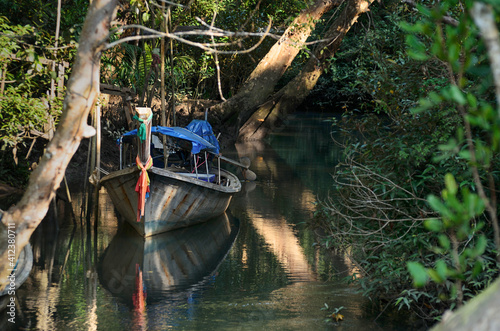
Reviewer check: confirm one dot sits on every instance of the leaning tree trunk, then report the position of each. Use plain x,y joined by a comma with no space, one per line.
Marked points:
82,91
261,83
480,313
271,113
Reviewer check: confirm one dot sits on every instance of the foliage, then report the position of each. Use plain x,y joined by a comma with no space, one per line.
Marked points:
193,73
458,229
22,105
25,109
18,115
424,118
335,313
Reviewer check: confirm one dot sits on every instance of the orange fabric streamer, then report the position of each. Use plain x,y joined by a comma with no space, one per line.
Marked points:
142,186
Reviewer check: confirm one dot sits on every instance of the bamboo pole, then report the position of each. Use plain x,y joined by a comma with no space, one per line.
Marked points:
98,142
4,75
162,87
97,166
93,143
58,26
172,77
93,155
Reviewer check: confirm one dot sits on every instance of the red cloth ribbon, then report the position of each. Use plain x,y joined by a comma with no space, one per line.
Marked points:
142,186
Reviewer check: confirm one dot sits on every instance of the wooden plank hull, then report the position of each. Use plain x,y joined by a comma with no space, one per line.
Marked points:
172,262
175,200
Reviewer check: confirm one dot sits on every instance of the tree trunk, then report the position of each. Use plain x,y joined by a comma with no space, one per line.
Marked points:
261,83
480,313
82,91
272,113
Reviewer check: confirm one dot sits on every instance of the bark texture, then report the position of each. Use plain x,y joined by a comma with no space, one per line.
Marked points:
261,83
82,91
480,313
272,113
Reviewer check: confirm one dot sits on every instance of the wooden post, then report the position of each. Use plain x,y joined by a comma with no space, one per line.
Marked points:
172,76
98,165
128,111
162,87
3,75
98,142
144,146
58,25
60,84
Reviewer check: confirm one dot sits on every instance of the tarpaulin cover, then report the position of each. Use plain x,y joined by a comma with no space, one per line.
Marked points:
198,143
204,129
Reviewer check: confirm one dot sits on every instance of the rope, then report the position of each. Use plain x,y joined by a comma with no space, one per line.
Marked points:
142,186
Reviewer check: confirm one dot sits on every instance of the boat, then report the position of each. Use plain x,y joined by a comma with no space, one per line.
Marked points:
191,189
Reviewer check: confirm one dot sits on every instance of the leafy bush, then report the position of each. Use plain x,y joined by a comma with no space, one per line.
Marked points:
25,109
433,123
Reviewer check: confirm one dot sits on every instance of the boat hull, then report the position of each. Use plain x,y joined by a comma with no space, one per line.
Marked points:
175,199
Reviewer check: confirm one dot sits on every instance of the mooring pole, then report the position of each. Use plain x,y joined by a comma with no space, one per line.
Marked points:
162,75
144,116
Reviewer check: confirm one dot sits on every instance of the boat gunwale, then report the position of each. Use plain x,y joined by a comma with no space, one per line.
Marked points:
234,187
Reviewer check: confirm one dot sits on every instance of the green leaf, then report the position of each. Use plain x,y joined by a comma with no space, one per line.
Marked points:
480,246
451,184
439,206
444,241
465,154
472,100
418,272
419,56
433,225
457,95
440,273
434,276
478,268
442,269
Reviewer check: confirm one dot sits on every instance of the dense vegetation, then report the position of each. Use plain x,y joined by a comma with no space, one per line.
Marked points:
420,100
29,105
30,102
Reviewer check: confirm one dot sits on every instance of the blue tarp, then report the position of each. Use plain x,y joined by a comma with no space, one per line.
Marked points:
198,143
204,129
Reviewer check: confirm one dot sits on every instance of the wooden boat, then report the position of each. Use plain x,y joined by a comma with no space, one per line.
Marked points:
171,264
180,195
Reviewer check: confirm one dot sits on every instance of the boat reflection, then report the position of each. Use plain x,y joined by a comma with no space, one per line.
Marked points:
165,266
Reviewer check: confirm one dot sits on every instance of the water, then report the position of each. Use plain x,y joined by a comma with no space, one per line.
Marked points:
258,267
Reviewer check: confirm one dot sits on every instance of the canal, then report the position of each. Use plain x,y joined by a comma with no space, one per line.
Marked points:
259,267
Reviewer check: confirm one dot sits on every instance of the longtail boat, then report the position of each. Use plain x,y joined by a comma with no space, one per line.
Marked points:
191,189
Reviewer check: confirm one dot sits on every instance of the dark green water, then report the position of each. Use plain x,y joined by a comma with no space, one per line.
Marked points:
259,268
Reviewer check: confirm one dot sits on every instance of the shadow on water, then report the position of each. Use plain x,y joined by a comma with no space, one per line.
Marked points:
258,267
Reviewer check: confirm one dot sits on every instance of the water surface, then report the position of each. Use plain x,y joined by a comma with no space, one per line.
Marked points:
257,267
